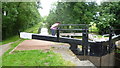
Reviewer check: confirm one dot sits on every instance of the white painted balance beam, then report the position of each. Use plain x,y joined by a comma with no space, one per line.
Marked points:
26,35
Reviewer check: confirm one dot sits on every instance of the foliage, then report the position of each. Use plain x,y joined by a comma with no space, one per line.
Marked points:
35,28
17,16
72,13
93,28
104,15
108,16
115,9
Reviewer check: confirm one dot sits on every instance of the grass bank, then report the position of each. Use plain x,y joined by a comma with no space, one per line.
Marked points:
33,58
11,39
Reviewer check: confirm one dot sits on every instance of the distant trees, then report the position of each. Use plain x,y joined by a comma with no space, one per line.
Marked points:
104,15
72,13
109,16
17,16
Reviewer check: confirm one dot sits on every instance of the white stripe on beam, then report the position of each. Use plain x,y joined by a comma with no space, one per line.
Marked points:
26,35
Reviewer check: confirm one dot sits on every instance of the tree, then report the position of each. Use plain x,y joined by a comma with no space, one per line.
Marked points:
108,16
18,16
72,13
115,9
105,15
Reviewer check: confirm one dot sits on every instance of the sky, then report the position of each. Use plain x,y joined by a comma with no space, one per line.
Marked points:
98,2
47,4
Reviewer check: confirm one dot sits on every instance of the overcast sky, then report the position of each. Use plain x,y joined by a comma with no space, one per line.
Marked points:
46,5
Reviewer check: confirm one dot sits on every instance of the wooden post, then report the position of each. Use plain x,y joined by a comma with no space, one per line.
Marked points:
110,39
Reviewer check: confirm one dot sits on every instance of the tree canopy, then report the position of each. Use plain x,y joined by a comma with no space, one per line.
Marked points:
17,16
109,15
105,15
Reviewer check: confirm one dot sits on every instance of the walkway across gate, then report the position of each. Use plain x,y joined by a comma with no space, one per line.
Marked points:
97,52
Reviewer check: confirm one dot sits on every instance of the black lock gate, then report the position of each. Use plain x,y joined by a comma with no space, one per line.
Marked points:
101,53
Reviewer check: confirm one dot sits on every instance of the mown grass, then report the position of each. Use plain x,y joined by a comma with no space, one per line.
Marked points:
32,58
11,39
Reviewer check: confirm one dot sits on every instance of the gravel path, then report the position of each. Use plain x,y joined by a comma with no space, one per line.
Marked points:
68,55
4,48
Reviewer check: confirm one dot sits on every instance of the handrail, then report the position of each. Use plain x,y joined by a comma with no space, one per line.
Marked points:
72,29
72,24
